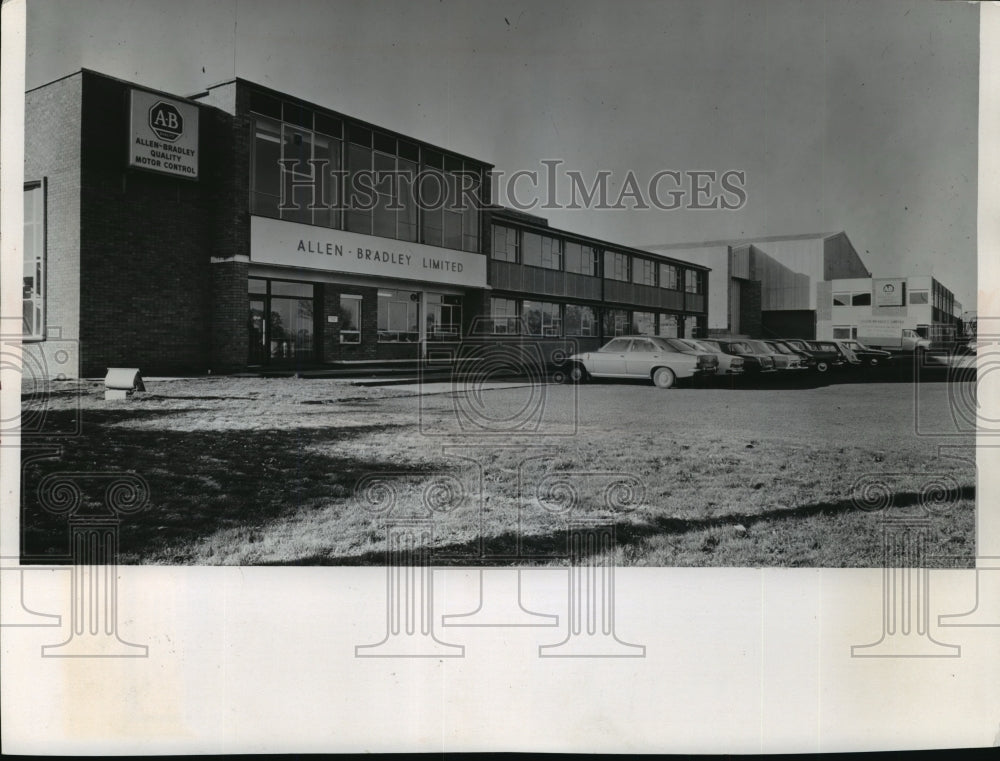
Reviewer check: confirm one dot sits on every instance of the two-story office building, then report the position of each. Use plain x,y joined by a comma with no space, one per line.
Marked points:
246,228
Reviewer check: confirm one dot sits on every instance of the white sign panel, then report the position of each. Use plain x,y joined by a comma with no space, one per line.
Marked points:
291,244
888,293
163,135
881,327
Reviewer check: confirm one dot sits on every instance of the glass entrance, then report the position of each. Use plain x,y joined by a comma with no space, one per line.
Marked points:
282,322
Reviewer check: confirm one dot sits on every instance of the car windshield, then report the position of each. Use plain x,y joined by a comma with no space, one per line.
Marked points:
853,345
759,347
796,344
780,349
739,347
703,347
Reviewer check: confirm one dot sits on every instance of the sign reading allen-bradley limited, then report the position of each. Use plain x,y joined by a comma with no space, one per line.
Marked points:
291,244
163,135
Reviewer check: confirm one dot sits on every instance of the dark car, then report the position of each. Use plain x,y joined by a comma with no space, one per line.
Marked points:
823,359
807,361
868,356
752,361
847,357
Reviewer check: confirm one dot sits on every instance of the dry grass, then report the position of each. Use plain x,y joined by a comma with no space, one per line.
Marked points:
260,471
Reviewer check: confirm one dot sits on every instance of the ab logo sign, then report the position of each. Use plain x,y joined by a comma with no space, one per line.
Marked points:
163,135
166,121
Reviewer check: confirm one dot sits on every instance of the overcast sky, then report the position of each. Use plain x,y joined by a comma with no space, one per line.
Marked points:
855,116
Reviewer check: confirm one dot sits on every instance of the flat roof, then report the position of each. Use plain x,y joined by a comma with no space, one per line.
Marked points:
740,241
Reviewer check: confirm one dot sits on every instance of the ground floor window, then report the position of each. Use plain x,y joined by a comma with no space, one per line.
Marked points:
580,320
398,316
33,294
350,319
444,317
504,316
845,331
690,327
644,323
281,321
541,318
669,327
617,322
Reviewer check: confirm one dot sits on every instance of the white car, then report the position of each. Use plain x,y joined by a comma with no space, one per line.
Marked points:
650,357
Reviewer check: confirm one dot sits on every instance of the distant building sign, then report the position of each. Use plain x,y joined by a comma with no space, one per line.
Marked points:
291,244
888,293
163,135
881,327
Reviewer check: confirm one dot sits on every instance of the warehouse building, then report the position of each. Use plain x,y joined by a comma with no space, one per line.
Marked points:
771,287
234,229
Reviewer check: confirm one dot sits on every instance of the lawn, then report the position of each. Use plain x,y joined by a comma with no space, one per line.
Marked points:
298,471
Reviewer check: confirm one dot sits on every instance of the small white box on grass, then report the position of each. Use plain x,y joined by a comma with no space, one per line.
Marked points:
121,382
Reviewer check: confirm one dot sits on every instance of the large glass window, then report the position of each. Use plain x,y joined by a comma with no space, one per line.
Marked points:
918,297
444,317
617,322
398,316
861,299
644,323
541,318
580,259
350,319
616,266
504,243
34,262
669,326
690,327
668,277
541,251
841,299
643,271
692,281
580,320
504,315
266,193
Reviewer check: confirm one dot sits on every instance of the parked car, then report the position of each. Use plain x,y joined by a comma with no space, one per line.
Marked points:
847,356
806,361
649,357
782,361
728,363
868,356
824,359
738,347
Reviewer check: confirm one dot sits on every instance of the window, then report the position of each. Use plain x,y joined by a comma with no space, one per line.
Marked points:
350,319
617,322
580,320
504,316
505,244
450,192
644,323
616,266
643,272
33,295
692,281
619,344
398,316
266,193
358,193
541,251
580,259
642,345
541,318
918,297
841,299
844,331
861,299
669,326
668,277
444,317
690,327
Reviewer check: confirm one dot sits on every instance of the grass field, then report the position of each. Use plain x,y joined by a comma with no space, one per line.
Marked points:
267,471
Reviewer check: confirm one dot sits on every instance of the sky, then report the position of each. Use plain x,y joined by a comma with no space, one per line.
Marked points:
847,115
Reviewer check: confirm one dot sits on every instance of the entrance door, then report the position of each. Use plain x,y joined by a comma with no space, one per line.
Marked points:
281,323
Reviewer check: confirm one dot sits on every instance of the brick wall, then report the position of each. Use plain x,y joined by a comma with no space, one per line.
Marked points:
146,244
52,156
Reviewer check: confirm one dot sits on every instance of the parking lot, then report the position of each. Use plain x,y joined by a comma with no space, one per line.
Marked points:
292,471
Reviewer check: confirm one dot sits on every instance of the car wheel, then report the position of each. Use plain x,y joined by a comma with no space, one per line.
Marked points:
663,377
822,367
577,373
